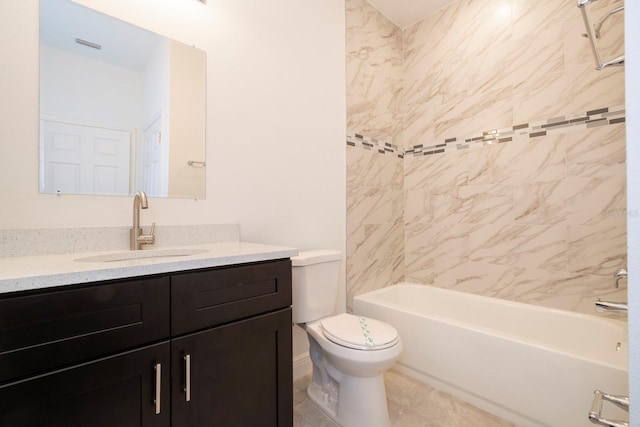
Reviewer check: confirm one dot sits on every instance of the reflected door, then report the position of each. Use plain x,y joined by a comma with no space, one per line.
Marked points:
80,159
155,160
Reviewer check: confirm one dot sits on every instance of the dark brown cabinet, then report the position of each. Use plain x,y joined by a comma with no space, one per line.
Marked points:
40,331
210,347
205,298
115,391
235,375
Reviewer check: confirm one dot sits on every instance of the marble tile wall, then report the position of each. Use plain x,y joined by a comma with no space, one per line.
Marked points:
374,73
538,217
540,220
375,228
475,66
375,198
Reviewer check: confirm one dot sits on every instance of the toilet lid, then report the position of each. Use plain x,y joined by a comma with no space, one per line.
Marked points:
359,332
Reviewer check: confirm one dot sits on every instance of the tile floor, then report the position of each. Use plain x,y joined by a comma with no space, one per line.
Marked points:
411,404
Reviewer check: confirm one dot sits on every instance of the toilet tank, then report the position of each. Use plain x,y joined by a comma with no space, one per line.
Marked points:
315,276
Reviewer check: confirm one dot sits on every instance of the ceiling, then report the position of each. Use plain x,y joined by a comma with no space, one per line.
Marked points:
406,12
62,21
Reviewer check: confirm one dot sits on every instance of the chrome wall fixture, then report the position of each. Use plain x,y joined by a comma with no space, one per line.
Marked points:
196,163
594,32
595,415
596,409
88,44
602,306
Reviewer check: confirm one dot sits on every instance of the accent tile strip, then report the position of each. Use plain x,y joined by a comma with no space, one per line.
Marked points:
561,124
599,111
373,144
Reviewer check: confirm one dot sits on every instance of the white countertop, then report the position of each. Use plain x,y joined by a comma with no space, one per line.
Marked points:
44,271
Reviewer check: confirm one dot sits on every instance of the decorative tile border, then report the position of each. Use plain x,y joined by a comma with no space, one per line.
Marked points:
373,144
573,122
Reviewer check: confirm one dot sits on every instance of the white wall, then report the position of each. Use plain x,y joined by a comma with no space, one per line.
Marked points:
632,87
275,120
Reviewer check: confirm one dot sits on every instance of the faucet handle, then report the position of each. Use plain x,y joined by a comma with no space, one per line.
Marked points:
150,238
622,273
147,239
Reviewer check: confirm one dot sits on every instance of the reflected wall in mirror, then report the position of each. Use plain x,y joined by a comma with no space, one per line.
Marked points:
121,108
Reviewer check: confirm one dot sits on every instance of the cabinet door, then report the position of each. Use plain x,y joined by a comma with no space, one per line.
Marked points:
115,391
239,374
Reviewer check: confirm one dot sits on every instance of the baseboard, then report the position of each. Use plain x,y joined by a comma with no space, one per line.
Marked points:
302,366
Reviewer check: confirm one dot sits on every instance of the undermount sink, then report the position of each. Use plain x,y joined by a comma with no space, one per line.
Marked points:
143,254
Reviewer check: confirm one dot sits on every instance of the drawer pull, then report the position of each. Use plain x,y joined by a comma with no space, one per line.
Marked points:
187,377
158,369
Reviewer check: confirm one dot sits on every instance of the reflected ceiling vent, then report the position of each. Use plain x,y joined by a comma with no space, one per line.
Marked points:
89,44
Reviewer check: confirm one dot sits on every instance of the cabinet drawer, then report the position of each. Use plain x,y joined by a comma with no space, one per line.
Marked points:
212,297
48,330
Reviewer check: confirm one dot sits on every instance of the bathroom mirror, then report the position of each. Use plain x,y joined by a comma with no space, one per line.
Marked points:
121,108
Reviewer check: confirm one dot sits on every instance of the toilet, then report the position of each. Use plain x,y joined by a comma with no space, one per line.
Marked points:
349,353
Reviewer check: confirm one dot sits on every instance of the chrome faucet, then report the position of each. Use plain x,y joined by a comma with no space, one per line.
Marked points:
620,274
136,237
602,306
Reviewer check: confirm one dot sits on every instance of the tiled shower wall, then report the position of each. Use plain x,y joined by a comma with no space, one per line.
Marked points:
511,151
375,197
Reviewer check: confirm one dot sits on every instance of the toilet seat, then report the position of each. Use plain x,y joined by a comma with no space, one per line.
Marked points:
358,332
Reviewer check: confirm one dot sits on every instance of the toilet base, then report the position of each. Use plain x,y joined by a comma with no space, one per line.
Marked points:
361,402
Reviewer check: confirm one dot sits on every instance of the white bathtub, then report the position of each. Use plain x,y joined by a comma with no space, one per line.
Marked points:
530,365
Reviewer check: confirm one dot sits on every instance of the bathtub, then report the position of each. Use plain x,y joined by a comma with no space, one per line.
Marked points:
530,365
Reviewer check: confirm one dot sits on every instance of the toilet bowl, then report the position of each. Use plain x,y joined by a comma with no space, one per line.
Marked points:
351,390
349,353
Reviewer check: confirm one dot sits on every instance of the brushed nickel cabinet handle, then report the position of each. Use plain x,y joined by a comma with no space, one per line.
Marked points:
187,377
158,369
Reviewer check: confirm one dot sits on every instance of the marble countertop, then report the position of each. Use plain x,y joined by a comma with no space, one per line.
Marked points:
45,271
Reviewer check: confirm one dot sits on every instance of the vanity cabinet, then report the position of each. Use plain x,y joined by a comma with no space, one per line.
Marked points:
206,347
235,375
80,356
231,365
113,391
